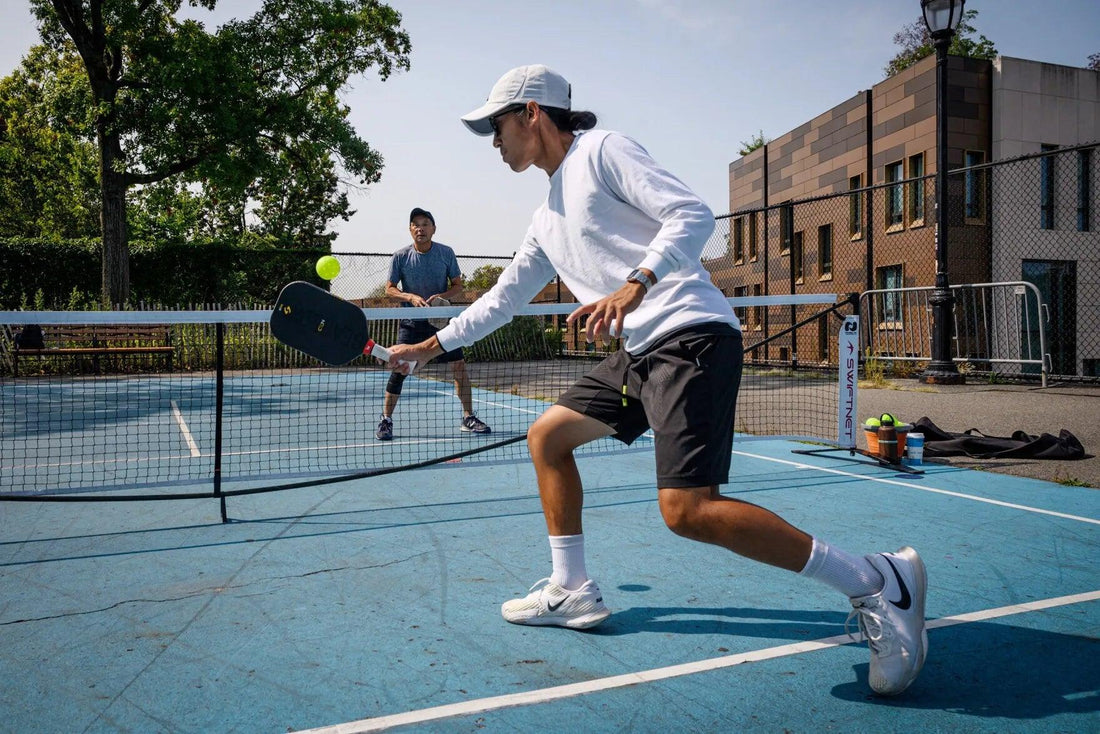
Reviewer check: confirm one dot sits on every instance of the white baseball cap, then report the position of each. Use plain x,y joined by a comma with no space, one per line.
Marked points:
534,83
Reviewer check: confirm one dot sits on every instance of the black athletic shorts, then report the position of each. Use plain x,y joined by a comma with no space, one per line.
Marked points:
684,388
414,331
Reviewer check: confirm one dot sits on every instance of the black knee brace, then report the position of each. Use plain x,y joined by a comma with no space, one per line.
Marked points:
394,385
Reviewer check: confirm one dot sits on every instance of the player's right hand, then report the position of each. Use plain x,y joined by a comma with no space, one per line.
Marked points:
405,357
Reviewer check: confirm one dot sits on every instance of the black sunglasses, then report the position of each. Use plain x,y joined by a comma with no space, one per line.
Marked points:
494,121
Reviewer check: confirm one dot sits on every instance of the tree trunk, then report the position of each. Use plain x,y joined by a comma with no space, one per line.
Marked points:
116,248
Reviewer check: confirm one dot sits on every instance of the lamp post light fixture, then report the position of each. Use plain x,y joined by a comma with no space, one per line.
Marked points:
942,18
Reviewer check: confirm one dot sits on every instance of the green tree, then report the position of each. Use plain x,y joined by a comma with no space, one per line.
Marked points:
48,175
298,198
484,277
756,141
1094,62
916,43
169,211
169,99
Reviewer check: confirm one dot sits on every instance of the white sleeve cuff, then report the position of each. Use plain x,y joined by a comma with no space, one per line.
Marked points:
659,266
443,335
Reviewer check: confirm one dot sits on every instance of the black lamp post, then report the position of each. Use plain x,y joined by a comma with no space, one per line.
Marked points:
942,18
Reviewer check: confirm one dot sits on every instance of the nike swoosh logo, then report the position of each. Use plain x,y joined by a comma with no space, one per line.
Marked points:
905,601
554,607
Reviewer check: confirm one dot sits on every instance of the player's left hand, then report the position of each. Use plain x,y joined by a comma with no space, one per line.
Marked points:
605,316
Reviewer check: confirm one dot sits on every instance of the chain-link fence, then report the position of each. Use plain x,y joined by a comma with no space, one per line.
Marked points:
363,278
1042,220
1032,219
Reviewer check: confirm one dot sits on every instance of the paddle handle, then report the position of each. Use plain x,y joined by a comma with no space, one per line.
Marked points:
382,354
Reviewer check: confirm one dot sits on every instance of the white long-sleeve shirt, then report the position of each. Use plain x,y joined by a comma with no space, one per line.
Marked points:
610,209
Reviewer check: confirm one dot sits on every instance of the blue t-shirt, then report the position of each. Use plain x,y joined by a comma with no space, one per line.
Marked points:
424,273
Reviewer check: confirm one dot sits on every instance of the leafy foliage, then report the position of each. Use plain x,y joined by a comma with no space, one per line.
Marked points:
916,43
65,274
231,112
1094,62
756,141
48,170
484,278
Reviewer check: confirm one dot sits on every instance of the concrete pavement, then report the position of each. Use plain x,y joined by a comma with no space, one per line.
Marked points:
998,410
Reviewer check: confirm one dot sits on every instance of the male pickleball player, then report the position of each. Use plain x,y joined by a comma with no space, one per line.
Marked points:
626,237
420,273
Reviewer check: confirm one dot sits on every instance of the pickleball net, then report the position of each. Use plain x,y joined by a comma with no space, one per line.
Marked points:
187,404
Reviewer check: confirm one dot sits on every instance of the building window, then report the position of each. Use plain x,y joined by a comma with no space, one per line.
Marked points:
797,260
916,189
752,237
855,208
1084,189
757,312
739,240
825,251
786,227
1046,188
889,279
739,311
895,214
975,186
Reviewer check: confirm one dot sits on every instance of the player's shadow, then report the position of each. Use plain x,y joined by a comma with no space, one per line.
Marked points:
992,670
983,669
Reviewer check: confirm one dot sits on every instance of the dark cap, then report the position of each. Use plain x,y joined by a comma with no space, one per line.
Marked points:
418,212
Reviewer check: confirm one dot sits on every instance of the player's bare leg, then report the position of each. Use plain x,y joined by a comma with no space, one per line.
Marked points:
551,440
462,386
702,514
470,422
568,598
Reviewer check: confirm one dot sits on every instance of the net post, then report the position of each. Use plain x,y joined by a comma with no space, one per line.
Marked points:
219,394
848,381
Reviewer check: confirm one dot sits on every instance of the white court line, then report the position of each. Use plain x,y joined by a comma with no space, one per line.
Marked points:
921,487
195,453
498,405
545,695
95,462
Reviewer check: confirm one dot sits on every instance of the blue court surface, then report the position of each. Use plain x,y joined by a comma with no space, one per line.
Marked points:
372,605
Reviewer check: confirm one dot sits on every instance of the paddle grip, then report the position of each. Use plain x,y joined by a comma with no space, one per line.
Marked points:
382,354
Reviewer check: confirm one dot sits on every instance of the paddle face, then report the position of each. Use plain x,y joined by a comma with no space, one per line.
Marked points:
322,325
439,301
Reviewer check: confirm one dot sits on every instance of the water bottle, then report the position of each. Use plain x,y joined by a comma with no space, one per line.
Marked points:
914,446
888,443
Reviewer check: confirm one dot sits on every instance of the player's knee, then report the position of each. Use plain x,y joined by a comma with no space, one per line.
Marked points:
681,511
544,440
396,381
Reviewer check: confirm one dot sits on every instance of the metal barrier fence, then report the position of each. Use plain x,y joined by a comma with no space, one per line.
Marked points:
999,328
1032,219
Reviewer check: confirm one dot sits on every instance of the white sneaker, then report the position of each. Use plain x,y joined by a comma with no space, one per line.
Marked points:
550,604
893,621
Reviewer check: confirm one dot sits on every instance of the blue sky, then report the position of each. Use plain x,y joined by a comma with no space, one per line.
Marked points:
690,80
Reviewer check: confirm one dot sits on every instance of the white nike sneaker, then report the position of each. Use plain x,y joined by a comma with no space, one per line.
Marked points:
550,604
893,621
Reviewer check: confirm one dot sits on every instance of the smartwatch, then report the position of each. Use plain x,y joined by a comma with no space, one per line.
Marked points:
638,276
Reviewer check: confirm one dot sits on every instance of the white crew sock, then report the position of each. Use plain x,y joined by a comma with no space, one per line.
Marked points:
849,574
567,555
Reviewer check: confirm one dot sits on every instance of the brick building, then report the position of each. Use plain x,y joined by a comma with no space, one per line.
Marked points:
846,202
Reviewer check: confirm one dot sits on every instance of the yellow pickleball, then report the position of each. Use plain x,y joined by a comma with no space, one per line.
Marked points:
328,267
